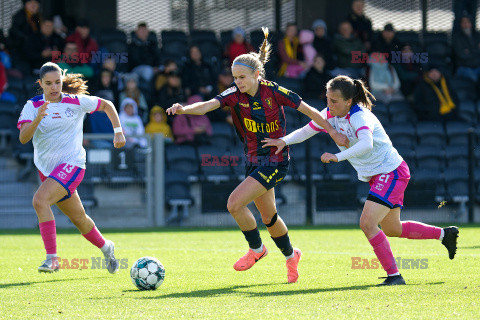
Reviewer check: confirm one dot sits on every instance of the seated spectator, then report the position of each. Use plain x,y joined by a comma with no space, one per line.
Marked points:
434,98
225,81
387,42
132,91
344,44
362,26
143,53
73,63
238,45
158,124
192,129
38,48
110,65
383,81
161,79
466,47
25,23
5,96
104,87
316,80
322,43
408,72
291,53
197,75
85,43
306,41
132,124
172,92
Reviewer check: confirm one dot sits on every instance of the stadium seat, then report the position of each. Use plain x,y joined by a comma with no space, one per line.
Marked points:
14,82
431,133
435,36
402,134
213,166
457,133
380,110
223,135
198,36
7,121
456,180
173,36
225,38
339,171
291,84
177,194
429,157
176,48
408,155
426,188
401,111
182,158
464,88
457,156
410,37
111,35
467,111
210,50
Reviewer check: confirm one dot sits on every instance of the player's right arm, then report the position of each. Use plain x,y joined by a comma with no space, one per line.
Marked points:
197,108
27,129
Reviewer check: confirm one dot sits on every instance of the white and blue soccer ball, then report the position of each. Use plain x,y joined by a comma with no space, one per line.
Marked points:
147,273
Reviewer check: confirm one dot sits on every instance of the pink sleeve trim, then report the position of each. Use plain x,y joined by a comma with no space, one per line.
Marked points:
19,123
98,106
315,127
361,128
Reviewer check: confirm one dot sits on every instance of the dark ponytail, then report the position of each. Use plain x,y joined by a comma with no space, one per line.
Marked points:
352,89
72,83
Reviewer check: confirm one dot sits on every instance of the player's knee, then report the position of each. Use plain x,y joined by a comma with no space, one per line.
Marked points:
39,201
269,221
233,205
366,223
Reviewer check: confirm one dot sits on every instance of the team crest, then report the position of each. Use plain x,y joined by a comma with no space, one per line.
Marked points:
69,113
269,102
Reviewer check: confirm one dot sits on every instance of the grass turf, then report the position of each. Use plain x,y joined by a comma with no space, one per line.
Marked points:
201,283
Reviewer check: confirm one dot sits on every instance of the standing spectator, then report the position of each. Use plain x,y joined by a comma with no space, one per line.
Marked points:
316,80
362,26
132,124
73,63
306,41
434,98
384,82
143,53
408,72
85,43
466,47
344,44
172,91
132,91
198,76
291,53
462,8
322,43
38,48
387,42
238,45
192,129
158,123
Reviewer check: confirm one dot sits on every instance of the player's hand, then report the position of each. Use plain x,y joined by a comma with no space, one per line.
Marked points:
328,157
119,140
341,139
279,143
42,111
177,108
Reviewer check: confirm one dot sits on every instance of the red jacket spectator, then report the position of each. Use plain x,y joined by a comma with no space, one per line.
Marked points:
85,43
238,46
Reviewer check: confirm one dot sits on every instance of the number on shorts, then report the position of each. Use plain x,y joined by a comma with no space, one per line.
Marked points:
384,178
68,168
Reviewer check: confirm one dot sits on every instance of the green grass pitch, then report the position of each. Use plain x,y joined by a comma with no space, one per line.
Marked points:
200,282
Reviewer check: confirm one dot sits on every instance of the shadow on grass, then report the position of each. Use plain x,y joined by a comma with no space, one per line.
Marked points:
19,284
470,247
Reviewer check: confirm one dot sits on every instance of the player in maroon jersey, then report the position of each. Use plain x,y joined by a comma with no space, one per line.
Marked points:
257,111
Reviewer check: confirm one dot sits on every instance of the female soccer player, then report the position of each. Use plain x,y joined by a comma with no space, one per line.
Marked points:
377,162
55,122
257,109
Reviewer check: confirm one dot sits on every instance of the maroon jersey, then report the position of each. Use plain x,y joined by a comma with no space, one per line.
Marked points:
259,117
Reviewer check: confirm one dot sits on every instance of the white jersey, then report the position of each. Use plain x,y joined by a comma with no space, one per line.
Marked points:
383,158
59,136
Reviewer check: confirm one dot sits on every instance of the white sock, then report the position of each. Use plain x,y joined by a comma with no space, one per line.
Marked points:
106,246
290,256
442,235
258,250
394,274
51,256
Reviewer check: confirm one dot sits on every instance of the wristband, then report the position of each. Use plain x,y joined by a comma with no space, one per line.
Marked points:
117,129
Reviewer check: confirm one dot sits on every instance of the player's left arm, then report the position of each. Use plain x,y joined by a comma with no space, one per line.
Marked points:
108,107
315,115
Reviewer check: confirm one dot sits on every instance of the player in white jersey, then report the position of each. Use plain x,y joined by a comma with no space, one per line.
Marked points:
55,122
377,162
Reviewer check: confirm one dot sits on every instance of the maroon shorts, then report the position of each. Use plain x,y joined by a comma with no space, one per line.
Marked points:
68,175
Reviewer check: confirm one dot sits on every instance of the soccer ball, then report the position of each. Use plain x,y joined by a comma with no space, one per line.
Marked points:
147,273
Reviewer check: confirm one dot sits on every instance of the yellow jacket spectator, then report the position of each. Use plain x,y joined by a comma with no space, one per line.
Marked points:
158,123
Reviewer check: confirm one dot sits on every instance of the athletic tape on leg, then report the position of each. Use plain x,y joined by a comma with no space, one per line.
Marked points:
272,222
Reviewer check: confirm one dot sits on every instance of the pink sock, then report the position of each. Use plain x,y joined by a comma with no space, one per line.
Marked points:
381,247
49,236
418,230
95,237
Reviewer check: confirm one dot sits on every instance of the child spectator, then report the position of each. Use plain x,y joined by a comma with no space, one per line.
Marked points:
131,123
158,124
